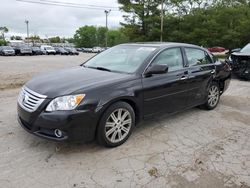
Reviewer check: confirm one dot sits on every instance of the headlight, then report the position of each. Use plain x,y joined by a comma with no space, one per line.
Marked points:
69,102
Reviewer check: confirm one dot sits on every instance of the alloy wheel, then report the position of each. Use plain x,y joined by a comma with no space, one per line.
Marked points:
213,95
118,125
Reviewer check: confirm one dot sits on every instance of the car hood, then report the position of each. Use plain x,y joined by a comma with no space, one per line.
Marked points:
241,53
67,81
10,50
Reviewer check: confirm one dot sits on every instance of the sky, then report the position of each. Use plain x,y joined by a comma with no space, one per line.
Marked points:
49,21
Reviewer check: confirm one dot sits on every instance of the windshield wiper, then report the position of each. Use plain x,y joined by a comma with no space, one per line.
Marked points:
99,68
103,68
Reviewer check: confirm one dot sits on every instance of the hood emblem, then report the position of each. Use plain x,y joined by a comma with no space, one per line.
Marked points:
25,98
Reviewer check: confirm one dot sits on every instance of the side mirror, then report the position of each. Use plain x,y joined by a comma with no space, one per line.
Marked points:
156,69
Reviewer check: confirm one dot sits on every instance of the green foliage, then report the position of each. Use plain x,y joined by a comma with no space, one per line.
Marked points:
3,30
86,36
55,39
3,42
142,19
100,36
203,22
90,36
116,37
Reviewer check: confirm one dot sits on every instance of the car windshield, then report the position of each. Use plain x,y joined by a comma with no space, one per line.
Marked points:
7,48
49,48
124,58
24,47
246,49
35,48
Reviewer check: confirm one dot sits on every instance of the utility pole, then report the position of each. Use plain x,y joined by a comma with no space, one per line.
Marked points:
106,37
161,20
27,24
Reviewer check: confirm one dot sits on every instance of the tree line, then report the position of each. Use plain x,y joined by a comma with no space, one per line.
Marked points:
206,23
203,22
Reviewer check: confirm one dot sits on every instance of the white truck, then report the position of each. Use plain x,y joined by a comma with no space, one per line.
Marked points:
48,49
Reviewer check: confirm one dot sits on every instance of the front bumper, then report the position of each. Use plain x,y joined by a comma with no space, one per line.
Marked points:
9,53
75,125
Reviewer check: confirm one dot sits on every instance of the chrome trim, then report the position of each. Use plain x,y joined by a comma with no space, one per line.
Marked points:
34,93
30,100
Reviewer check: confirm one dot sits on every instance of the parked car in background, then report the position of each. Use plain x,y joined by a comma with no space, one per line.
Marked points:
48,49
240,62
87,50
96,49
108,95
6,50
217,49
37,51
61,51
23,50
71,51
79,49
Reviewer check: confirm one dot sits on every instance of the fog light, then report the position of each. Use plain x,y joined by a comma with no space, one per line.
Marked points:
58,133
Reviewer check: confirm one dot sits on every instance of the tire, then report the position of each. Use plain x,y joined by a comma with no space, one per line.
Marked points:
213,96
111,131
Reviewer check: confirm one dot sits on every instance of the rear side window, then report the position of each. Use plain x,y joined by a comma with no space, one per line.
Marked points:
197,57
171,57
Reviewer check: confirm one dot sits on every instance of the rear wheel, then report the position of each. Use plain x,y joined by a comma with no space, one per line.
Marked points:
116,125
213,96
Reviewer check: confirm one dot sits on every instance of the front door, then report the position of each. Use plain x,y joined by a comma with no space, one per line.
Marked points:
166,92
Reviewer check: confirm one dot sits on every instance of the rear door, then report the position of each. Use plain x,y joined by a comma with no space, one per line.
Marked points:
166,92
201,73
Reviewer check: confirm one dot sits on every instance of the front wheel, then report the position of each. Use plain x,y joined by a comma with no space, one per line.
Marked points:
116,125
213,96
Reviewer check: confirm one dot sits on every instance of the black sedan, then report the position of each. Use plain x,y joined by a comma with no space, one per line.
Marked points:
71,51
106,97
240,62
23,50
61,51
37,51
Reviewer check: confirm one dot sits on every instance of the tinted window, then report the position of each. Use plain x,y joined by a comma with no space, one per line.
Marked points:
197,57
171,57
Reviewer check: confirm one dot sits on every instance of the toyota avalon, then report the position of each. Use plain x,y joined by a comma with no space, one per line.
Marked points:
107,96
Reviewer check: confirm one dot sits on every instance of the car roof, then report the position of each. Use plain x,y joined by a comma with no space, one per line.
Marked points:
161,44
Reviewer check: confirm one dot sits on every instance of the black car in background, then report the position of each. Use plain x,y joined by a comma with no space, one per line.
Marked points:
6,50
240,62
71,51
108,95
79,49
23,50
37,51
61,51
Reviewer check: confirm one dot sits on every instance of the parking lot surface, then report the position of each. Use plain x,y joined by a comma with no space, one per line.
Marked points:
194,148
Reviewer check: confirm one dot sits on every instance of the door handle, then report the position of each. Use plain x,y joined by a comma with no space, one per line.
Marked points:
183,78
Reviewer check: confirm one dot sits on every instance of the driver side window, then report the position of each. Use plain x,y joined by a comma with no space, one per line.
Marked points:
171,57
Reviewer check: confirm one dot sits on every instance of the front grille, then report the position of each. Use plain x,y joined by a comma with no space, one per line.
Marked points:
30,100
